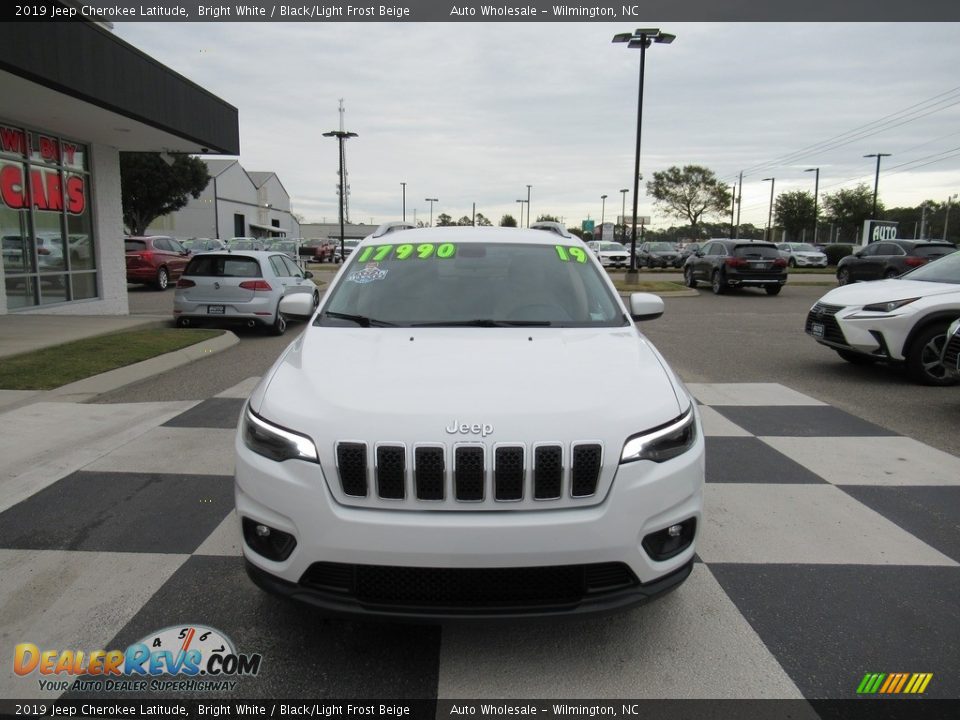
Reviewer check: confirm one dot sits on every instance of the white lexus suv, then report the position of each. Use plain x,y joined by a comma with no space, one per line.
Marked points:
461,461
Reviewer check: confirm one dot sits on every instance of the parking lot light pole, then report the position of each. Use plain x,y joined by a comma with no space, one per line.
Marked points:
946,217
768,236
528,204
603,211
431,201
733,206
816,191
876,181
640,38
623,213
341,135
521,212
404,186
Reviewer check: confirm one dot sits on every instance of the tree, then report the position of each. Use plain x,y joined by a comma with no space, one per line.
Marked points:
547,218
689,193
151,187
849,208
444,220
794,212
482,220
508,221
465,220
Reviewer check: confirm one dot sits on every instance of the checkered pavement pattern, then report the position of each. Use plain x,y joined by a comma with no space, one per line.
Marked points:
830,549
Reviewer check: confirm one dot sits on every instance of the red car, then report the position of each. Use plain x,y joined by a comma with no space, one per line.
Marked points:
155,260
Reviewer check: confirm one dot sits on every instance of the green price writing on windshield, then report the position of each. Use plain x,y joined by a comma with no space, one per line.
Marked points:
571,254
378,253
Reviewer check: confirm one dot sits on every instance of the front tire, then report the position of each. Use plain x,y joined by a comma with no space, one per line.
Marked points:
163,279
890,274
688,279
773,289
843,276
923,357
792,263
717,284
279,326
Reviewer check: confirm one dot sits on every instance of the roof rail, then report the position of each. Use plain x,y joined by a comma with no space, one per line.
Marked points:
395,226
554,227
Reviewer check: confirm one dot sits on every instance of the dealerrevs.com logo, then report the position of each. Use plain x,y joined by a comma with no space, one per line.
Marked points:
183,658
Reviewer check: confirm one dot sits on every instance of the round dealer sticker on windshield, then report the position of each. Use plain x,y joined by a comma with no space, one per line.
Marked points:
370,273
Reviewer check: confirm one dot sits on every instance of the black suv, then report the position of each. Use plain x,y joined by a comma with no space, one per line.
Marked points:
889,258
737,263
658,255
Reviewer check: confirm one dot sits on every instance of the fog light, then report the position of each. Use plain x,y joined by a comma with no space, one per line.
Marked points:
269,542
665,544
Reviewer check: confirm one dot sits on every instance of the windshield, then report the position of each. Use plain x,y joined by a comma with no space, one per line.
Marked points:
134,245
661,247
756,251
617,247
482,284
932,252
803,247
944,270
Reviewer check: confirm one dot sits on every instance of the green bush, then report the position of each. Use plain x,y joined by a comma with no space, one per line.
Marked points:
835,252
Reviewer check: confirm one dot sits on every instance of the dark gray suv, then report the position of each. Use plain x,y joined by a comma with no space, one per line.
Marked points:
736,263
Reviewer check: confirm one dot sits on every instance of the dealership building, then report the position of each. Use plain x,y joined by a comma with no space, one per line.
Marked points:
75,96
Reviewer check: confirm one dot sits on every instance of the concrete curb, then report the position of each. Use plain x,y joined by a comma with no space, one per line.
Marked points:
90,387
690,292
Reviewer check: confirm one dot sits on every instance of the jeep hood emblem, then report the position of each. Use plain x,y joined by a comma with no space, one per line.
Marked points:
481,429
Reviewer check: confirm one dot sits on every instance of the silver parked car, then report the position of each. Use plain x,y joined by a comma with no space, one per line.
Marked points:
239,288
802,255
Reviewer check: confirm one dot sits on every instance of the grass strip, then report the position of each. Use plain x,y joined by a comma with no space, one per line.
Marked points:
653,286
58,365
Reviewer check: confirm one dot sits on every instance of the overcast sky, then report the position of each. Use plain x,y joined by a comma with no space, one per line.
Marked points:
474,112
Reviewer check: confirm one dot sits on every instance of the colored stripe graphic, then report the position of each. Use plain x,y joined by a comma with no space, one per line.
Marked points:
894,683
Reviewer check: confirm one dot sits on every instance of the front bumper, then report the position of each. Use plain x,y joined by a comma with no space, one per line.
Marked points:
645,498
801,261
850,328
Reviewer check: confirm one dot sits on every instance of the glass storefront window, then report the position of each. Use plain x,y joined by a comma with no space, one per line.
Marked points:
45,223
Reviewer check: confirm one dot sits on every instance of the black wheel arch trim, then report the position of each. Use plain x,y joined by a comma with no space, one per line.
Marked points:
947,316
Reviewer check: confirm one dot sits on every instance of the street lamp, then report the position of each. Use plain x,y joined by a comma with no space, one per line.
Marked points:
603,210
640,38
623,213
772,181
521,211
431,201
528,204
733,206
341,135
876,181
404,186
816,191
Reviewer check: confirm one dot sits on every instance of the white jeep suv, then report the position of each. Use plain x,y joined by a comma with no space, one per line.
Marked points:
463,463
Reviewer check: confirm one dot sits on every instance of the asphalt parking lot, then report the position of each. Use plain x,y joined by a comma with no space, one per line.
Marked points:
830,547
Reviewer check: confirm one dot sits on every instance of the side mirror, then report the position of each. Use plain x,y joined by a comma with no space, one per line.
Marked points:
698,253
299,304
307,275
645,306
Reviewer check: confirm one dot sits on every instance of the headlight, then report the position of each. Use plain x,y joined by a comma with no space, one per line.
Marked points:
662,443
886,307
275,442
952,330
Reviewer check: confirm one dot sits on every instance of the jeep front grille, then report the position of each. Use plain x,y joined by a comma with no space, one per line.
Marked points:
469,473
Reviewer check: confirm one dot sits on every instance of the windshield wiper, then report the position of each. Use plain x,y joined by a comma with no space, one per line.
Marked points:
483,322
361,320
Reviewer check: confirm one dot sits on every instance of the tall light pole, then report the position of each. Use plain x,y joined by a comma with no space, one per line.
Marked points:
876,181
404,186
603,211
623,212
946,218
772,181
640,38
431,201
733,205
739,204
341,135
816,193
521,212
528,204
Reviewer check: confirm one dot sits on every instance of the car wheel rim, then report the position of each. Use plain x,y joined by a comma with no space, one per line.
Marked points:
162,279
930,357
